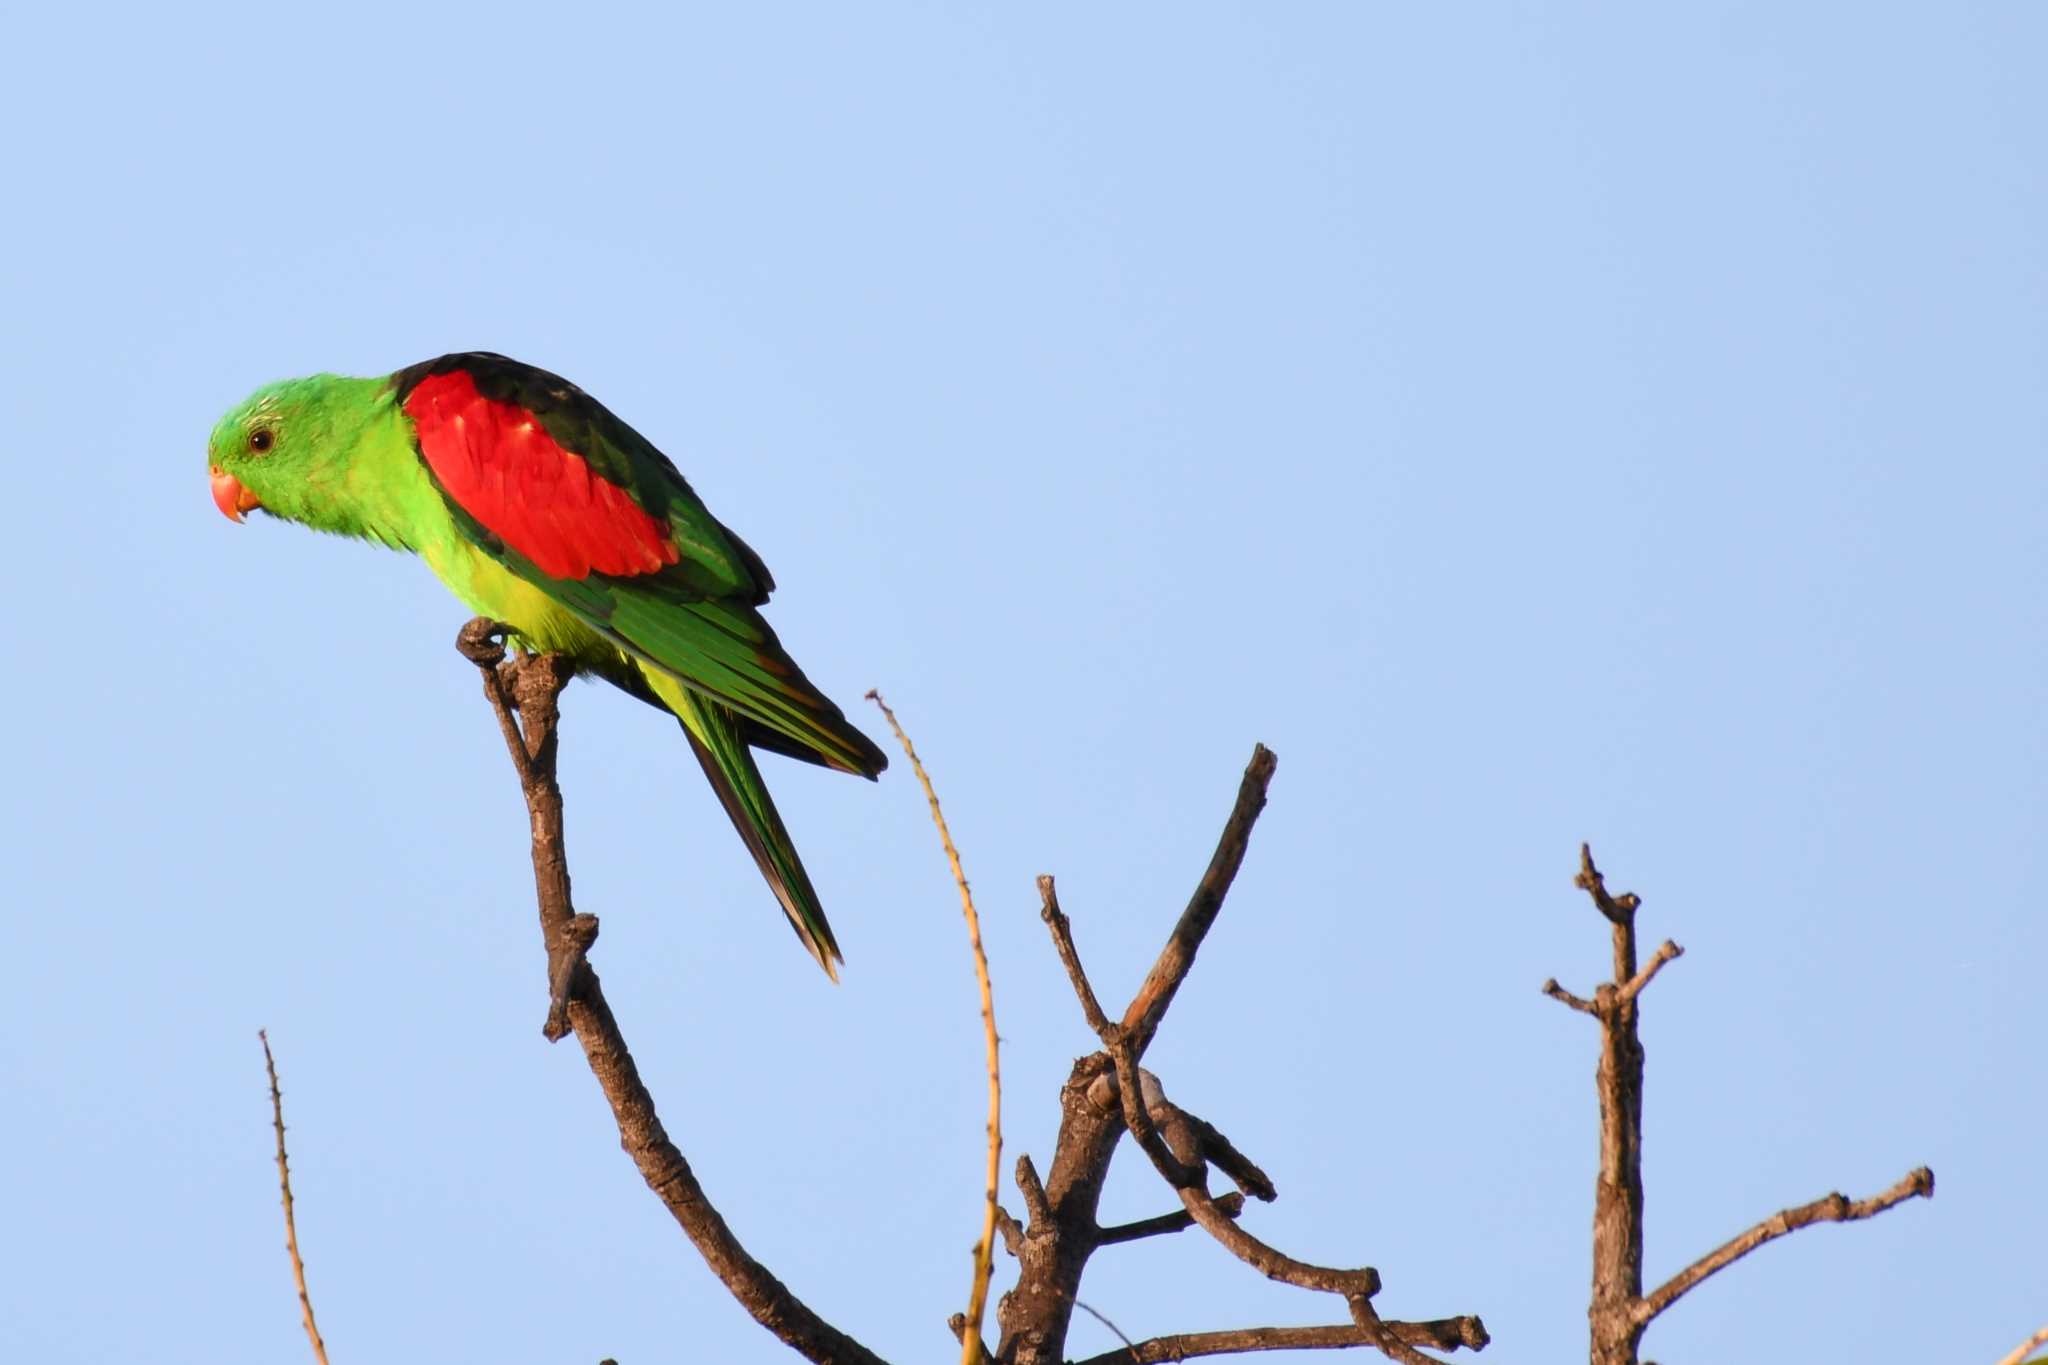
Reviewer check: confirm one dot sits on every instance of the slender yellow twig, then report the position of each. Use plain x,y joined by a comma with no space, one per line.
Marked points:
971,1348
2019,1352
284,1180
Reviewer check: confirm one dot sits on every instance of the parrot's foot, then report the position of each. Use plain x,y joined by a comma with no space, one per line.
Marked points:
482,641
569,960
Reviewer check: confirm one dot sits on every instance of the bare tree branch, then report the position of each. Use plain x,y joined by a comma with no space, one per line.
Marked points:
284,1184
1384,1337
1187,1179
1148,1006
1446,1334
1620,1312
533,685
1831,1208
1180,1145
1063,944
985,1249
1665,952
1035,1314
1231,1205
1012,1231
1180,1174
1217,1150
1565,997
1100,1317
1618,909
1618,1190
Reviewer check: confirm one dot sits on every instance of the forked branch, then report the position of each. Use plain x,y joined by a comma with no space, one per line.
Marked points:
1182,1146
1620,1311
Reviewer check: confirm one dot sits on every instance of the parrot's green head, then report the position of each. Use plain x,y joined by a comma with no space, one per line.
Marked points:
288,447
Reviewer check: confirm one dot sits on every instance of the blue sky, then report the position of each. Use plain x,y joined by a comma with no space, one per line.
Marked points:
1535,423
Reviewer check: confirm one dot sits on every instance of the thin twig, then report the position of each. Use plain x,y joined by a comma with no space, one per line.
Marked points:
1666,951
284,1183
1035,1206
2019,1352
1832,1208
1097,1315
481,641
1063,944
984,1251
1232,1204
1565,997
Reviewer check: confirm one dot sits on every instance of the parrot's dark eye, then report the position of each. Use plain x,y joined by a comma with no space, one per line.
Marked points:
262,439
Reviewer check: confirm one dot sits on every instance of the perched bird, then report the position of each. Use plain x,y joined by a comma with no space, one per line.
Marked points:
540,509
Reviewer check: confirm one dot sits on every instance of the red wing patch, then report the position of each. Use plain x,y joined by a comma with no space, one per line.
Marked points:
500,465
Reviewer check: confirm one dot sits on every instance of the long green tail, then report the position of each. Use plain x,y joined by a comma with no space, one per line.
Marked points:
716,738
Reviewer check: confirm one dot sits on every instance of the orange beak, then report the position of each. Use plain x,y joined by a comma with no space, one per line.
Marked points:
230,497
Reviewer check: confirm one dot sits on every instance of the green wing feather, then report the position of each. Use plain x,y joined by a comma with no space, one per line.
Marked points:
719,742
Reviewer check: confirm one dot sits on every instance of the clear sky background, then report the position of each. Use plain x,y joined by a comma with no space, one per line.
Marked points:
1536,423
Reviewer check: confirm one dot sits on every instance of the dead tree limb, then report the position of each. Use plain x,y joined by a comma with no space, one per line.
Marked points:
1446,1334
1109,1094
1230,1205
1034,1316
532,685
1106,1095
1620,1312
1829,1208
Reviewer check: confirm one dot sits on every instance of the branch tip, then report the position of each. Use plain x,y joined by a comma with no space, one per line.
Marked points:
1565,997
1666,952
1062,930
1619,909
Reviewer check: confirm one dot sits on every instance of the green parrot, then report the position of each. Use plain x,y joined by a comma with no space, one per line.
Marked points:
542,510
